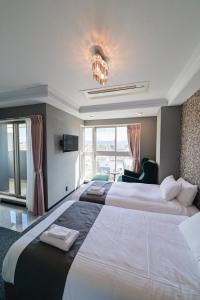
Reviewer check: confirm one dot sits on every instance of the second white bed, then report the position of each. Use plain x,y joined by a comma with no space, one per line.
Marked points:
140,196
145,197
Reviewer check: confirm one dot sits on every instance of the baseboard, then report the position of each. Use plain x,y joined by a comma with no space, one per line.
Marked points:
59,201
17,202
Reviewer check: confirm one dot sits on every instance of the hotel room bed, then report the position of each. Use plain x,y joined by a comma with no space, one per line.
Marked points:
121,254
137,196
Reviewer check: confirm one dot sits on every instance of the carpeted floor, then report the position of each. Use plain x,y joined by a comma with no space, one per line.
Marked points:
7,238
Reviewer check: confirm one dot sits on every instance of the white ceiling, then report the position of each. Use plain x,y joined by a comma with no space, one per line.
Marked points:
47,42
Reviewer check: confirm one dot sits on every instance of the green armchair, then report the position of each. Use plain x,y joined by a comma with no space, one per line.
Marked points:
134,174
149,174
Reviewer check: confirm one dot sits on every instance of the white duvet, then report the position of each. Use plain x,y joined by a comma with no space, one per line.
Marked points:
133,255
140,196
127,255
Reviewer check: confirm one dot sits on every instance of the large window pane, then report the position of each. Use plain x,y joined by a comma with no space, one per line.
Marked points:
105,139
23,158
123,162
105,164
122,140
88,166
88,139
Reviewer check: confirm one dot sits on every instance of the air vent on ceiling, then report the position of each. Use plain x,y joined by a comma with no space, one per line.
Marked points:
119,90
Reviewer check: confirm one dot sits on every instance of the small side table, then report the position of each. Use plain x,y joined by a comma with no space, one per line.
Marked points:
114,173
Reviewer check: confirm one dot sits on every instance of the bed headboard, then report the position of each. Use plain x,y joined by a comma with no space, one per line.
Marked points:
197,200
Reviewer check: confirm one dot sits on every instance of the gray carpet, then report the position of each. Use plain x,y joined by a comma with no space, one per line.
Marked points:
7,238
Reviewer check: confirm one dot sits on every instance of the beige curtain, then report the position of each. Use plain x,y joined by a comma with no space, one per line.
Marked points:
37,145
134,137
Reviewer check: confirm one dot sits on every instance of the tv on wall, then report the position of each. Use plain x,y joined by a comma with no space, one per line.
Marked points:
69,143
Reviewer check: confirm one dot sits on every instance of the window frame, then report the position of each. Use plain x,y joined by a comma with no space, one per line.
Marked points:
96,153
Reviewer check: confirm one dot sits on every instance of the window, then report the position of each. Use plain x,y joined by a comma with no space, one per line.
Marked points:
105,139
105,164
105,150
122,140
88,139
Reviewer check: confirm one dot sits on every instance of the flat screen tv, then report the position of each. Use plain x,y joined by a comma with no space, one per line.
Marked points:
69,143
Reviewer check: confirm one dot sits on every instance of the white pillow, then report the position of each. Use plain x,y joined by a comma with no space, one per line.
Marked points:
187,193
190,230
170,188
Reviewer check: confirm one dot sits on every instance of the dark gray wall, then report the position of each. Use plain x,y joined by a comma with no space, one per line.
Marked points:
27,111
63,168
168,141
60,169
148,134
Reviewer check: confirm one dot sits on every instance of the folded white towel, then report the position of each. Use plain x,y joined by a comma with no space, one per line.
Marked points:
65,244
99,193
95,188
59,232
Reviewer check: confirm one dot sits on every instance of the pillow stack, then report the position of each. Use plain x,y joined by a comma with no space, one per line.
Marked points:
181,189
170,188
187,193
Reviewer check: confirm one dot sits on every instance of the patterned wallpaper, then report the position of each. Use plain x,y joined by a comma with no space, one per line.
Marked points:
190,140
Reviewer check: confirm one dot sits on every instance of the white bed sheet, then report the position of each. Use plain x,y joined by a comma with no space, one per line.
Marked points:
145,197
133,255
127,255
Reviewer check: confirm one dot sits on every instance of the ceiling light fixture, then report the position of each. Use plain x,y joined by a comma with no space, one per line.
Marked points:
99,65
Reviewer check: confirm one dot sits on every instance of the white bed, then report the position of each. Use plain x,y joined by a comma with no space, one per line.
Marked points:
140,196
127,255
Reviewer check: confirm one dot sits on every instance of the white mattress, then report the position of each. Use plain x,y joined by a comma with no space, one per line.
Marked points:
145,197
127,255
133,255
140,196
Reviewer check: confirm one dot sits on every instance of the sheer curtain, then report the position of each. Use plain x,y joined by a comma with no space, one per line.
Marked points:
30,169
134,137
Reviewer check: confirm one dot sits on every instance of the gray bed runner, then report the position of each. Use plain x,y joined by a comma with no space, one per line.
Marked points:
96,198
41,269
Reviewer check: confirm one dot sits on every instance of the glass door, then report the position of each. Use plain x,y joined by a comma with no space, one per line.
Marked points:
7,173
13,162
22,159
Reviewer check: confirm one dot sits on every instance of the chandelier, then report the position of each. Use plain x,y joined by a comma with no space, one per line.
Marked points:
99,65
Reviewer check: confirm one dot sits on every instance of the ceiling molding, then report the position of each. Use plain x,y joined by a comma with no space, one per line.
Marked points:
123,106
39,93
24,93
61,102
187,74
191,88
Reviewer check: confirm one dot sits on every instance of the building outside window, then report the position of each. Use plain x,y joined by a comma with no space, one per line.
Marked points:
105,150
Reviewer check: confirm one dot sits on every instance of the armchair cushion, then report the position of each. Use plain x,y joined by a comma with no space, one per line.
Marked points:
131,173
126,178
